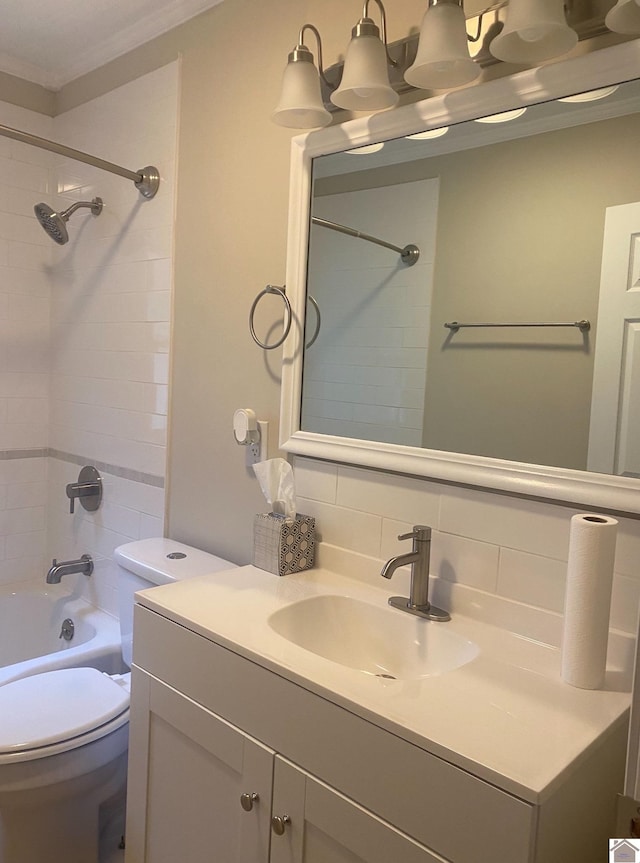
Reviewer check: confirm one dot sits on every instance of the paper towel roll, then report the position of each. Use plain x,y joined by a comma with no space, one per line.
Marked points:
592,545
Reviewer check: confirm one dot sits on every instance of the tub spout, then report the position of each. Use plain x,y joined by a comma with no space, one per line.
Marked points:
67,567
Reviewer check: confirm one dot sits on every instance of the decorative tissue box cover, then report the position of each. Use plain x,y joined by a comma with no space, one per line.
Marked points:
283,546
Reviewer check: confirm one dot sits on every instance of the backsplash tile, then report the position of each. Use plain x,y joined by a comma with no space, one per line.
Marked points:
497,557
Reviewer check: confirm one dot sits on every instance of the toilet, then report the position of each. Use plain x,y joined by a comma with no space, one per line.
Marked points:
64,734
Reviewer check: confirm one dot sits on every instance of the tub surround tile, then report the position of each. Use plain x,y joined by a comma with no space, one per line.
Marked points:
100,396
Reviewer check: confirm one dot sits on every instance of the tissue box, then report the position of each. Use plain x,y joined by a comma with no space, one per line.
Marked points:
282,546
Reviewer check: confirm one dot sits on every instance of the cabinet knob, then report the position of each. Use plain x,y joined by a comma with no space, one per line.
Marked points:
247,801
278,824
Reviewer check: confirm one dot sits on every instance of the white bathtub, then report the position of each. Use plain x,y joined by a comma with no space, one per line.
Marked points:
31,617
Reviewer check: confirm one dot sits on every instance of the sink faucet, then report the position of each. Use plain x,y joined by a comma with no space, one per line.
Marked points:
418,600
67,567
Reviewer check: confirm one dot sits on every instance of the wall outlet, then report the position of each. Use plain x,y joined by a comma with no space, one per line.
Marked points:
257,452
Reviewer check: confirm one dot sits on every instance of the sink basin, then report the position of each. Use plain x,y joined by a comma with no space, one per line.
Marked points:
379,641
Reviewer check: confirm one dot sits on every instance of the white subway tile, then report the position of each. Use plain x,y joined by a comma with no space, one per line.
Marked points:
533,526
316,480
357,531
532,579
396,497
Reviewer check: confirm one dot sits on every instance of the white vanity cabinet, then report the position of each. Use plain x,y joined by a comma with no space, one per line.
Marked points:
209,725
203,790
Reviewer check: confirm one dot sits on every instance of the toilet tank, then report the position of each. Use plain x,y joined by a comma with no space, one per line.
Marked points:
149,562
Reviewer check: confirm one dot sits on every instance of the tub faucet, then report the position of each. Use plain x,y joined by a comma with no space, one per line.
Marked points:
418,600
67,567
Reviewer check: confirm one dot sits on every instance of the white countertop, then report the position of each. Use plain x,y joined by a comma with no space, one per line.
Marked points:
506,716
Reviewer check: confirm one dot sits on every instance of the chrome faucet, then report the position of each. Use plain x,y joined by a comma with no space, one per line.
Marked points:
418,600
67,567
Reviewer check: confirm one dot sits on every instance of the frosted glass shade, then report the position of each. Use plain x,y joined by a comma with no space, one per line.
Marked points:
301,105
442,59
535,30
624,17
365,79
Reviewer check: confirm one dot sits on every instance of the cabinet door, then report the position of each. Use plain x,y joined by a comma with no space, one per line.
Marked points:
323,826
188,772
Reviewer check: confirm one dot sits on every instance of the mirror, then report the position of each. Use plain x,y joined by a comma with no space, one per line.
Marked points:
509,218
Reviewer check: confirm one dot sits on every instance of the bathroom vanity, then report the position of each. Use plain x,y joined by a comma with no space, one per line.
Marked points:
246,745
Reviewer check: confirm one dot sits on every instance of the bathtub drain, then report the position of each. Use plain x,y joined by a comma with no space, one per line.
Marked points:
67,630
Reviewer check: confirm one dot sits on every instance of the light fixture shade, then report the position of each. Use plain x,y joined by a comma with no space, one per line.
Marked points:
301,105
624,17
443,58
535,30
365,79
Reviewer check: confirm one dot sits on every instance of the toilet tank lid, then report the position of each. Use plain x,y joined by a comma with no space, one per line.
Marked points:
161,561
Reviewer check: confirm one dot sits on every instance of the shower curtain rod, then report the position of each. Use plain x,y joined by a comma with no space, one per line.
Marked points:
146,180
409,254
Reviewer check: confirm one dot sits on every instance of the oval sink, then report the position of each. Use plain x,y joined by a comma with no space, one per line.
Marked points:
378,641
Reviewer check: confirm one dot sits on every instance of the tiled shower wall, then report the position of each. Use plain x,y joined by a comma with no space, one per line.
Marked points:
25,287
108,341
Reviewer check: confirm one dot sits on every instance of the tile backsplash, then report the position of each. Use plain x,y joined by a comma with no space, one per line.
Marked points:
495,556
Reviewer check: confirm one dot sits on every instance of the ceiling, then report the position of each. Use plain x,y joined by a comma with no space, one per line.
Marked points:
53,42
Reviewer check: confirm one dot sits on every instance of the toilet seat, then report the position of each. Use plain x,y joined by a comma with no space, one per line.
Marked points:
59,710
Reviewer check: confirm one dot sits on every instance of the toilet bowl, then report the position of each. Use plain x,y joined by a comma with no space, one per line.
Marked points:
64,733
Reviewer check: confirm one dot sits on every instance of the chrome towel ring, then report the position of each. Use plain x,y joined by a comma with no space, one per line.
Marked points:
316,333
276,289
271,289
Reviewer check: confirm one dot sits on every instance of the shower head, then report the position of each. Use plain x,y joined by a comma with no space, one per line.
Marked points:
55,223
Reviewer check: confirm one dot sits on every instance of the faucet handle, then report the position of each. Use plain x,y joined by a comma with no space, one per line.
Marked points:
420,532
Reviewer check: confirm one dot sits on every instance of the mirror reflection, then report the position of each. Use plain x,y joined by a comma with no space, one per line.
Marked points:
520,220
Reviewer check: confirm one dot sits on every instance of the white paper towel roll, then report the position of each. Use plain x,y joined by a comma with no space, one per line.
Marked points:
592,546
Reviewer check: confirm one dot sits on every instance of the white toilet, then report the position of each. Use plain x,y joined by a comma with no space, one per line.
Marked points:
64,734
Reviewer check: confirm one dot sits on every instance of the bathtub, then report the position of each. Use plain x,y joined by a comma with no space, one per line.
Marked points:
31,617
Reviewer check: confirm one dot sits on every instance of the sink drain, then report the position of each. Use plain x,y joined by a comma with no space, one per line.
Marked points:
386,676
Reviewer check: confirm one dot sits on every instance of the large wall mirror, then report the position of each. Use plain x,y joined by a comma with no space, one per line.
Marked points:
466,284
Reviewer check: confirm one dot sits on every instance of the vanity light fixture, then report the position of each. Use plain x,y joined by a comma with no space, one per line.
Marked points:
502,117
590,95
525,32
428,134
367,148
443,59
301,105
624,17
365,84
534,30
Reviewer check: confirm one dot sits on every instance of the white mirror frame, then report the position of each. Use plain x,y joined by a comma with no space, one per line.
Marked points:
597,69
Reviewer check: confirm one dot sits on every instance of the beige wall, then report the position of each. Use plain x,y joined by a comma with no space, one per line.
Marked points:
230,238
230,242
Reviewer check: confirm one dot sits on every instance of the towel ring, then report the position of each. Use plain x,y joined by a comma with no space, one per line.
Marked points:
316,307
271,289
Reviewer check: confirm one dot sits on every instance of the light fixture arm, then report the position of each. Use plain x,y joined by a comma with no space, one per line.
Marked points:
495,9
301,47
383,28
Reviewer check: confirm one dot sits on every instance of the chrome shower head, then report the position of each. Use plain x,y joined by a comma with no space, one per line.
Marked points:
55,223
